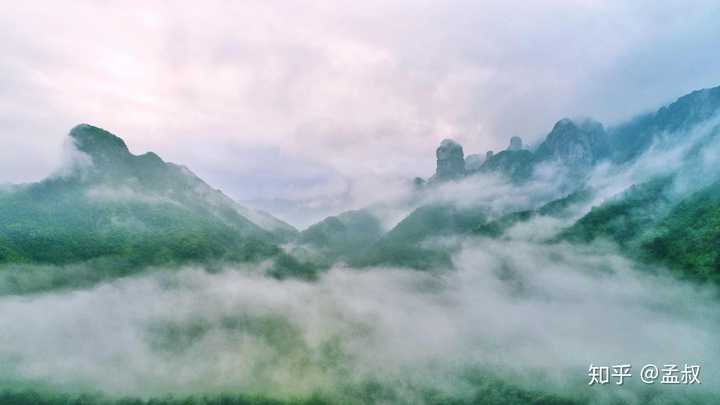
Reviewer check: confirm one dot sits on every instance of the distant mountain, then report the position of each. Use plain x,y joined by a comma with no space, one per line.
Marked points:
648,221
112,163
129,211
625,217
657,221
517,165
450,162
346,236
576,145
415,241
632,138
579,145
561,208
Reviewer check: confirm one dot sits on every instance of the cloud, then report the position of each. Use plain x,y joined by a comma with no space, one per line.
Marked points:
684,154
533,314
362,91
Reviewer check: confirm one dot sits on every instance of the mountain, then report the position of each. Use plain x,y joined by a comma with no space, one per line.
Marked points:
672,219
112,163
580,145
517,165
416,241
345,236
648,224
560,208
631,139
132,211
450,162
688,238
625,217
576,145
129,211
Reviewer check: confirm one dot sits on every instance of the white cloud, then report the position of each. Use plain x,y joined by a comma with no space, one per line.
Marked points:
360,90
538,315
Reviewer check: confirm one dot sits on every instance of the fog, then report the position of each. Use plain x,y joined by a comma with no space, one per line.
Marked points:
533,314
690,156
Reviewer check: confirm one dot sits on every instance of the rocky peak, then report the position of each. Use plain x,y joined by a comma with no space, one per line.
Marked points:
450,161
98,143
111,156
474,162
578,145
517,165
515,143
565,124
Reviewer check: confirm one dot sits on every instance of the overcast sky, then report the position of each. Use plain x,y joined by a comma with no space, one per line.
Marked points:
319,101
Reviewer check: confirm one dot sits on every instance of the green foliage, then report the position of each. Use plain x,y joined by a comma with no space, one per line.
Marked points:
647,225
286,266
410,243
624,218
556,208
44,225
347,236
559,208
36,398
688,239
486,390
124,213
496,228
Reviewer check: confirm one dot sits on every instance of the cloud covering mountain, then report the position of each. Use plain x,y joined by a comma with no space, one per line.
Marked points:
466,233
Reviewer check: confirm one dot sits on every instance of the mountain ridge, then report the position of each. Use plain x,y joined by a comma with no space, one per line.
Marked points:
579,145
146,211
111,154
123,213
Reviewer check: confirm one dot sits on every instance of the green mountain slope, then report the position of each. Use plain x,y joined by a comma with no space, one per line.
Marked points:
688,238
648,225
624,218
128,211
416,241
557,209
629,140
345,236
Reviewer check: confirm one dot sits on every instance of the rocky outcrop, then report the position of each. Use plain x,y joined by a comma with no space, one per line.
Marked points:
474,162
113,165
450,161
110,155
580,144
100,145
576,145
517,165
